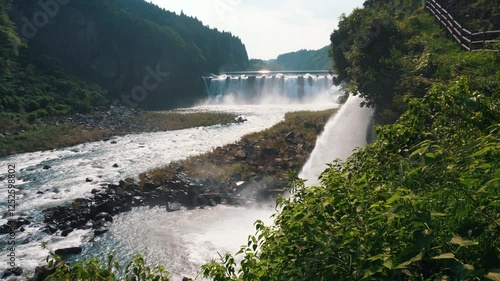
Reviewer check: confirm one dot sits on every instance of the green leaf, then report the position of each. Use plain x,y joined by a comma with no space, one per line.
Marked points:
444,256
494,274
410,261
497,173
430,155
457,240
438,214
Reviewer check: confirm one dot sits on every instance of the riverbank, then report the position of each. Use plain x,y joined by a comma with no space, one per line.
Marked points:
18,135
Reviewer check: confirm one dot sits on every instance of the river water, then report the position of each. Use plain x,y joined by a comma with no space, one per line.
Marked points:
183,240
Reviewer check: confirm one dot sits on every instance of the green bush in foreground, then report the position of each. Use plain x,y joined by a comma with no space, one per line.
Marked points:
92,269
421,203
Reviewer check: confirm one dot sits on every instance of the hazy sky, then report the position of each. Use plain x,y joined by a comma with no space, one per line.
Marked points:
269,27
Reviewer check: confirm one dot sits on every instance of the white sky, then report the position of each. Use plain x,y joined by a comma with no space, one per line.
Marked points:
269,27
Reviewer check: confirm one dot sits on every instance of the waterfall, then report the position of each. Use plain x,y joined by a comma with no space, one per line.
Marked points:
269,88
345,131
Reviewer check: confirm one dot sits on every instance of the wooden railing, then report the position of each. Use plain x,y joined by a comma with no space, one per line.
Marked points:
471,41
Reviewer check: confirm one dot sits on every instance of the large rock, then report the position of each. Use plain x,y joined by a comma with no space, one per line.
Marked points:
240,155
13,224
68,251
67,231
106,207
14,271
100,231
148,187
103,215
42,272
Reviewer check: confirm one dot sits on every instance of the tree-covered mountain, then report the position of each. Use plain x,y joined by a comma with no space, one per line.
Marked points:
68,56
299,60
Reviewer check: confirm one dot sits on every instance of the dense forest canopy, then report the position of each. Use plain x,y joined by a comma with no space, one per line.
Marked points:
299,60
69,57
381,53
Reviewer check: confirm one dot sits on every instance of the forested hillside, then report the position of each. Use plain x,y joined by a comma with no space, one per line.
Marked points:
299,60
388,51
69,57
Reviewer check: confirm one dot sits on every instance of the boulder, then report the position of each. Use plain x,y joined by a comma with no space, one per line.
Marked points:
103,215
14,271
67,231
100,231
106,206
240,155
115,165
46,167
148,187
68,251
42,272
89,179
14,224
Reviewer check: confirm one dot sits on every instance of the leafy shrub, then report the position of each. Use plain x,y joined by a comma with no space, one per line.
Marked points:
93,269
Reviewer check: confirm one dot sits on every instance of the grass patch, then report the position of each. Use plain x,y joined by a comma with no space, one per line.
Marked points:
26,137
162,121
48,137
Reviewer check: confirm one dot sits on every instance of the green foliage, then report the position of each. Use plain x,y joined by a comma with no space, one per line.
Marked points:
10,42
391,49
430,212
95,270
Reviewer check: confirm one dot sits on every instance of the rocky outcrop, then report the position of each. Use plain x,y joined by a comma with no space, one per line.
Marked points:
111,199
68,251
15,271
13,225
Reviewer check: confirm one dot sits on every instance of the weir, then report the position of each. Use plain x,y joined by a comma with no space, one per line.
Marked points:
253,86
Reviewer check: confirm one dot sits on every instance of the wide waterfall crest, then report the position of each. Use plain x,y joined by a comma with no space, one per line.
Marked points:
270,88
345,131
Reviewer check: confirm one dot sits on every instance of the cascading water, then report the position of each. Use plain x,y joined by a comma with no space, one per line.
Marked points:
342,134
269,88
